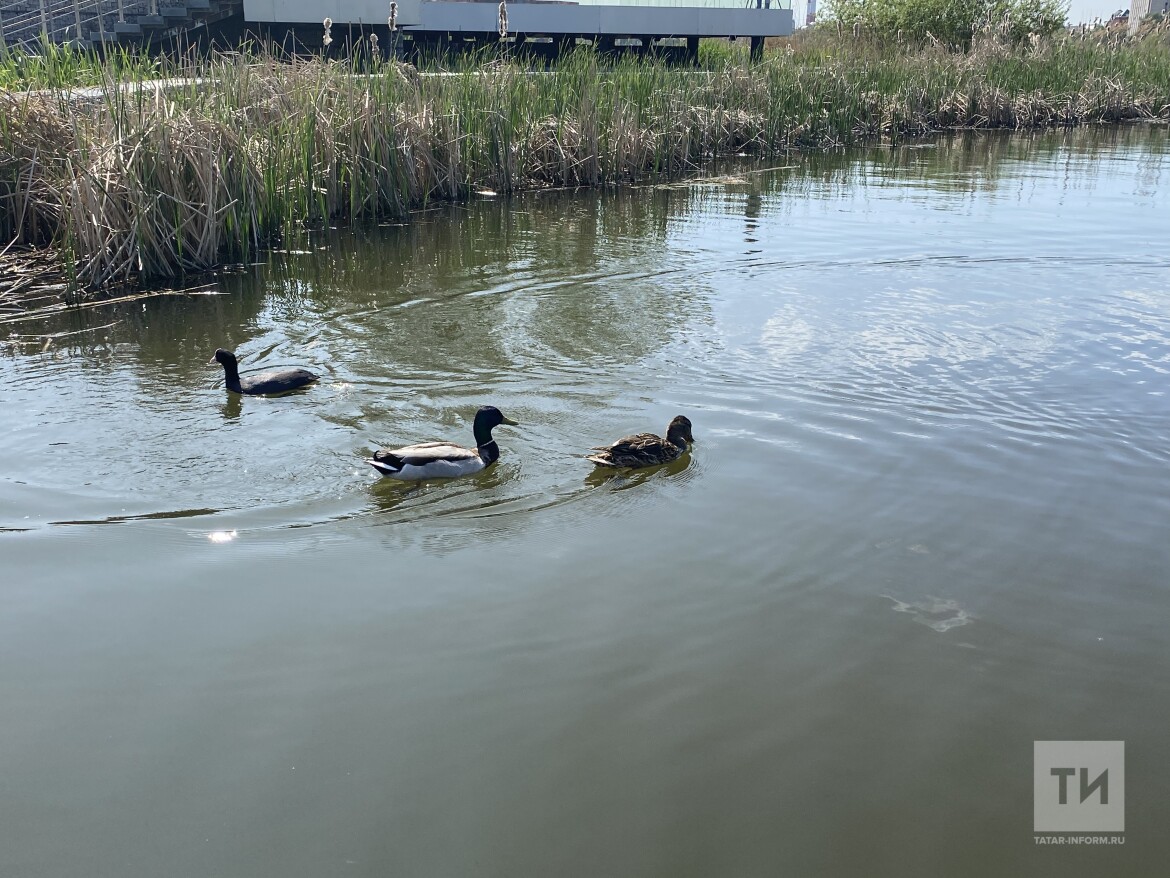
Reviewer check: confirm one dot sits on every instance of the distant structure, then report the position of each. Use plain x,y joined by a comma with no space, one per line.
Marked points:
110,22
612,26
546,26
810,17
1139,10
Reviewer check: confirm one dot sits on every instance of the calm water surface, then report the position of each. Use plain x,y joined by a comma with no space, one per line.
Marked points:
925,524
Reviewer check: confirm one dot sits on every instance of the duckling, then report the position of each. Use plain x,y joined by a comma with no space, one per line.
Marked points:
431,460
281,381
646,449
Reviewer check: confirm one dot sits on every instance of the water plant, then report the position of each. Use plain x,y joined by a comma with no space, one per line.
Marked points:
150,180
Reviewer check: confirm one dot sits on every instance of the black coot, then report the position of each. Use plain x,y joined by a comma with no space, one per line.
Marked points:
280,381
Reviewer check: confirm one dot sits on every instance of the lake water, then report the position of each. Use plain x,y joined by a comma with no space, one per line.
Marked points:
924,525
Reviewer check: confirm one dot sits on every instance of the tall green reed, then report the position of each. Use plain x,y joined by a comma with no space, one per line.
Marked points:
247,149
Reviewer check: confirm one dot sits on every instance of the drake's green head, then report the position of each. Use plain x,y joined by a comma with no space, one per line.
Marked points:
486,419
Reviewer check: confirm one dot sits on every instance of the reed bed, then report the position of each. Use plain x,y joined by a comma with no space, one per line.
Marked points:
146,184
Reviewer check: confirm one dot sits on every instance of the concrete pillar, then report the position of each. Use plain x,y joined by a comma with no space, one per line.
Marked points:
77,17
45,21
757,52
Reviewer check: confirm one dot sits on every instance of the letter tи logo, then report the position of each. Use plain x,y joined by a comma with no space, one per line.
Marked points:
1078,786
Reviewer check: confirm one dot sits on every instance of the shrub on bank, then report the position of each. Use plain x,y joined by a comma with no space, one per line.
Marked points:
954,23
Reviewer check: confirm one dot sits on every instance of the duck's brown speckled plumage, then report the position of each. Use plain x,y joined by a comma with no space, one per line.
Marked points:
646,449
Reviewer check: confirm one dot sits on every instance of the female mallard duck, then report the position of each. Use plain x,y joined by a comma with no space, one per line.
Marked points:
646,449
281,381
442,460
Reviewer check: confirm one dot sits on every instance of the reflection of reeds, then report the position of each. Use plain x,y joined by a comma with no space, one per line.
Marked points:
153,183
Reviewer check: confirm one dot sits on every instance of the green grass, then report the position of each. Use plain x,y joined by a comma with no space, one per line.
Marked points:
56,66
148,185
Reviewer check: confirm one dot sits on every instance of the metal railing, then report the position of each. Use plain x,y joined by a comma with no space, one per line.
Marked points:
60,21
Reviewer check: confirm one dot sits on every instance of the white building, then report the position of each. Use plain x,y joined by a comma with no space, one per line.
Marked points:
1140,9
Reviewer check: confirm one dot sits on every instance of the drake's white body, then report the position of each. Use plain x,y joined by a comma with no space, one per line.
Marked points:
432,460
443,460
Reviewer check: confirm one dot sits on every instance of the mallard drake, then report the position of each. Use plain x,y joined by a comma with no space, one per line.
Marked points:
279,381
646,449
443,460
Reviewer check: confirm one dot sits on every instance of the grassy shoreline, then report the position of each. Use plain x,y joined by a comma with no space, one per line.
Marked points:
144,186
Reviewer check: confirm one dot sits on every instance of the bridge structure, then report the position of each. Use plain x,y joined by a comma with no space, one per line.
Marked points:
641,26
102,23
542,26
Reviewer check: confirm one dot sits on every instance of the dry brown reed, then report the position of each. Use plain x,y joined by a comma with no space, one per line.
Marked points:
153,183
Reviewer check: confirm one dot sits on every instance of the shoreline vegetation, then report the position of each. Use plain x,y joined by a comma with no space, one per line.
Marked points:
140,185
